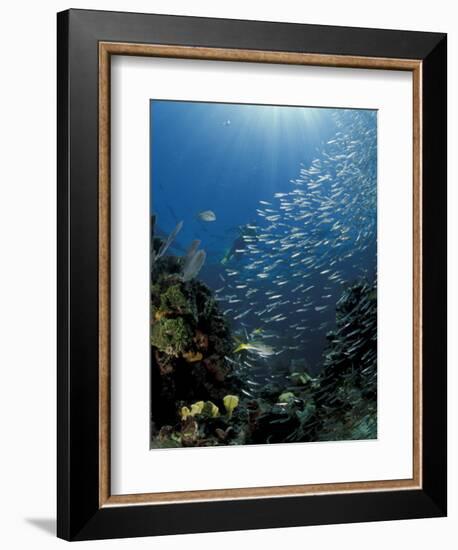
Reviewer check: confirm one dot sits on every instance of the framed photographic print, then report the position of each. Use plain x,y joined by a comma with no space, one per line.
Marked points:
252,274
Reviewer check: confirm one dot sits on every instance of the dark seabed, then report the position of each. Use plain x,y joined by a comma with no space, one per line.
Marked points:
263,274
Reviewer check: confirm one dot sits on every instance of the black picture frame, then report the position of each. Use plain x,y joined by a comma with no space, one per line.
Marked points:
80,516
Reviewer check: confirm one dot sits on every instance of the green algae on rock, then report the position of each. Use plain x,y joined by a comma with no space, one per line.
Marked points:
171,336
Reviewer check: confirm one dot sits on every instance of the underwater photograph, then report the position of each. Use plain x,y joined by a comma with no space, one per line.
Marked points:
263,275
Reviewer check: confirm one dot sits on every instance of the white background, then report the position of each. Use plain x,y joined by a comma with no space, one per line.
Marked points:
134,467
27,276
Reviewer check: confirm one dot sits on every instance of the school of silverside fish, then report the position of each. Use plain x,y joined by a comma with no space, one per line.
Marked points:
230,365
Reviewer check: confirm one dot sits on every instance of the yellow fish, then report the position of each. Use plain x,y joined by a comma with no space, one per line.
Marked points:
256,347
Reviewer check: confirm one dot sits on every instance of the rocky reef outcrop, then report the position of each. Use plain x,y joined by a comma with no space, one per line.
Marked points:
190,343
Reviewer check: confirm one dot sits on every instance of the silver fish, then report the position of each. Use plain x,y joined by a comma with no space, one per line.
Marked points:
207,216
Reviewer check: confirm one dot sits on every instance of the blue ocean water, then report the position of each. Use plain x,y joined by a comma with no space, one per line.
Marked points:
284,202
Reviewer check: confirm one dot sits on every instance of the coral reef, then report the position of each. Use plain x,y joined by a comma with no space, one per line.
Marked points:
199,396
189,343
348,385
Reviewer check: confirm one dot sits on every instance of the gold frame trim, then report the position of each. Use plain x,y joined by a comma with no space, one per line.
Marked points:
106,50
